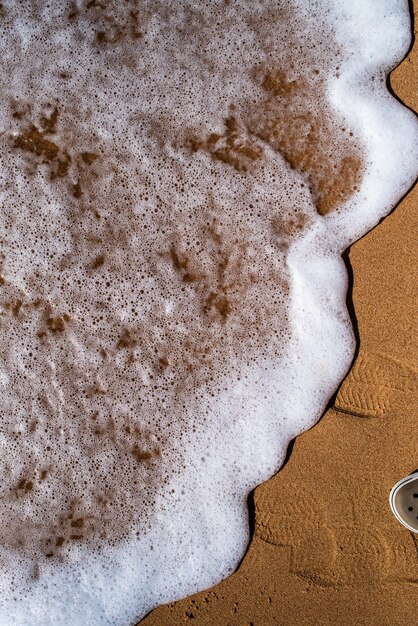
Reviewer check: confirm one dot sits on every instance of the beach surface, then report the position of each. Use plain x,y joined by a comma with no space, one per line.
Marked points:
325,546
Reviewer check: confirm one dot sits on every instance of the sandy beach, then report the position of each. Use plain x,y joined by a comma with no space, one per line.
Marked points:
202,386
325,546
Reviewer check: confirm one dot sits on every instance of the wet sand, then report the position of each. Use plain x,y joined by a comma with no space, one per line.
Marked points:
326,548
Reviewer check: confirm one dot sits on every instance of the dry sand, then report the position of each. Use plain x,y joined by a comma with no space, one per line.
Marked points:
326,548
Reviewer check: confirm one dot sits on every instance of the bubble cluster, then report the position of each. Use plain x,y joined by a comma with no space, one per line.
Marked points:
164,168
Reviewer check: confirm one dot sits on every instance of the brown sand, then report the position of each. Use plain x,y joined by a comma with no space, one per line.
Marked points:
326,549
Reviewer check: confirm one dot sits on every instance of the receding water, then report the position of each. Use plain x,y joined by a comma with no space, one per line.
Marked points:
178,181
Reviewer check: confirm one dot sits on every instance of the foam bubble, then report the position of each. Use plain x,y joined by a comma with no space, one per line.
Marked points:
178,183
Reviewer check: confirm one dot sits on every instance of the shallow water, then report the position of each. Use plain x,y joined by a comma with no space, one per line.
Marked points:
178,184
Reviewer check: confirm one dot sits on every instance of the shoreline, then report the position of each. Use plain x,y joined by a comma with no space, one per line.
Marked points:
326,547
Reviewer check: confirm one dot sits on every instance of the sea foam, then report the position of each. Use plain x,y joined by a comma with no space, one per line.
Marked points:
178,182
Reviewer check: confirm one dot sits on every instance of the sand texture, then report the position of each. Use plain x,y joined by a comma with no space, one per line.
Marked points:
326,548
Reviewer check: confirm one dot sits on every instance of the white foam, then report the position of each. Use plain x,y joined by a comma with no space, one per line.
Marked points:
173,295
